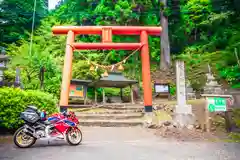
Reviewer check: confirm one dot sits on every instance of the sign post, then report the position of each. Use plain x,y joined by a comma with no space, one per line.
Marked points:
214,103
162,89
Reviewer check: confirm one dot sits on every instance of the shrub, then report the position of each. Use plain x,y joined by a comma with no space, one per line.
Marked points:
173,89
13,101
236,117
112,91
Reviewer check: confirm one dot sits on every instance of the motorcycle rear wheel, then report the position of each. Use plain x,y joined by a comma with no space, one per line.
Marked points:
18,140
71,135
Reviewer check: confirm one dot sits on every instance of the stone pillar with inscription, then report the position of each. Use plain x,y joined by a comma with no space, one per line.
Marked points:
183,116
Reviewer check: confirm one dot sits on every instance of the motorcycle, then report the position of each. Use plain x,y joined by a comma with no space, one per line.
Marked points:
37,126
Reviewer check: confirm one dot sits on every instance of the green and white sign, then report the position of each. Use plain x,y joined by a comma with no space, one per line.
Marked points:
217,104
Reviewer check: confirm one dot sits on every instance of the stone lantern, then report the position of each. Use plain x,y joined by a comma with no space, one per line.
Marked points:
3,63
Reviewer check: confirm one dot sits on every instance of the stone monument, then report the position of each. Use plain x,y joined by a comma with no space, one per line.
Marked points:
183,113
212,86
3,63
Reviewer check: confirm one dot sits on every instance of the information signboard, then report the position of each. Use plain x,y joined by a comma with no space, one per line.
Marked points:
161,88
76,90
217,104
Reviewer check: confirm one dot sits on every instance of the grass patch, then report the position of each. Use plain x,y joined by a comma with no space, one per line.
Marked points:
192,102
159,115
5,139
162,116
197,106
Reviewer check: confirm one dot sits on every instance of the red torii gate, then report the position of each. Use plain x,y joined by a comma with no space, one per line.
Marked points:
107,44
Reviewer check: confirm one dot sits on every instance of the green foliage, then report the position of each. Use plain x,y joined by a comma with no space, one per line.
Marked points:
173,89
212,37
200,32
195,12
236,85
235,137
16,19
13,101
236,116
127,92
109,13
81,71
46,52
231,74
10,75
112,91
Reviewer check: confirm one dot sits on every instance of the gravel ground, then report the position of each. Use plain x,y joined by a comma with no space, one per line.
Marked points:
192,135
122,144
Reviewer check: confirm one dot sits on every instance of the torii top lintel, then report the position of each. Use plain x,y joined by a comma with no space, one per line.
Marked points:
116,30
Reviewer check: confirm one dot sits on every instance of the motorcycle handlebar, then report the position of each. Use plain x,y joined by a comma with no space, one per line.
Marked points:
64,113
67,114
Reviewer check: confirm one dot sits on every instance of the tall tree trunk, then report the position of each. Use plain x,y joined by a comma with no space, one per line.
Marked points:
165,48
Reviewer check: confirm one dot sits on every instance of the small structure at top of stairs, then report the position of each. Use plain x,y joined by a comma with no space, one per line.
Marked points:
117,115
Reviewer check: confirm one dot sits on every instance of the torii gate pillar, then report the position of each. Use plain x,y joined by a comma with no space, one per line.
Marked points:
107,44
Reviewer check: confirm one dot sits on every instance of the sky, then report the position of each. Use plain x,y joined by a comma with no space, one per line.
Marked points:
52,3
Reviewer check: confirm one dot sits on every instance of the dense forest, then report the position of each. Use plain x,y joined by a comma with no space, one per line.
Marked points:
200,32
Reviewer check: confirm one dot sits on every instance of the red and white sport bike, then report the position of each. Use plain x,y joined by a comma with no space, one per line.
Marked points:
59,126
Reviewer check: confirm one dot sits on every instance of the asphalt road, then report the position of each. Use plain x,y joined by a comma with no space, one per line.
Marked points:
122,144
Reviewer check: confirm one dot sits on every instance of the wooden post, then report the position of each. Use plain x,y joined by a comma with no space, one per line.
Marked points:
121,94
104,101
95,96
107,35
228,123
85,94
131,91
67,70
207,118
146,75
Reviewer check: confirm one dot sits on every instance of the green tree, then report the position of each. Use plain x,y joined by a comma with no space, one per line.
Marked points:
47,52
16,19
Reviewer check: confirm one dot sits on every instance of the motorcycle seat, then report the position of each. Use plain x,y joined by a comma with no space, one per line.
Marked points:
46,122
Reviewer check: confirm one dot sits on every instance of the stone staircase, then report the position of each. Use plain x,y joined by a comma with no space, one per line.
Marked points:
109,115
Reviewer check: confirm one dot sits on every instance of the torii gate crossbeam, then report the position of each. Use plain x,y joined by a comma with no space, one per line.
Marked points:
106,32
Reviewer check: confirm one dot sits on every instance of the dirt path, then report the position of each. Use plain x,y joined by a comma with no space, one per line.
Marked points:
123,143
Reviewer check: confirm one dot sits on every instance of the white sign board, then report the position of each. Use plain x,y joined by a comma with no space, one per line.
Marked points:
160,88
180,80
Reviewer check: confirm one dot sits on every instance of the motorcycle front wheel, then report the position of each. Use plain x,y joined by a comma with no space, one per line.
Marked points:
74,136
23,140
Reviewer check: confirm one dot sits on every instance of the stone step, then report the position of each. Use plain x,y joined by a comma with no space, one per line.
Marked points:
136,108
106,111
78,106
111,123
109,116
120,104
118,111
